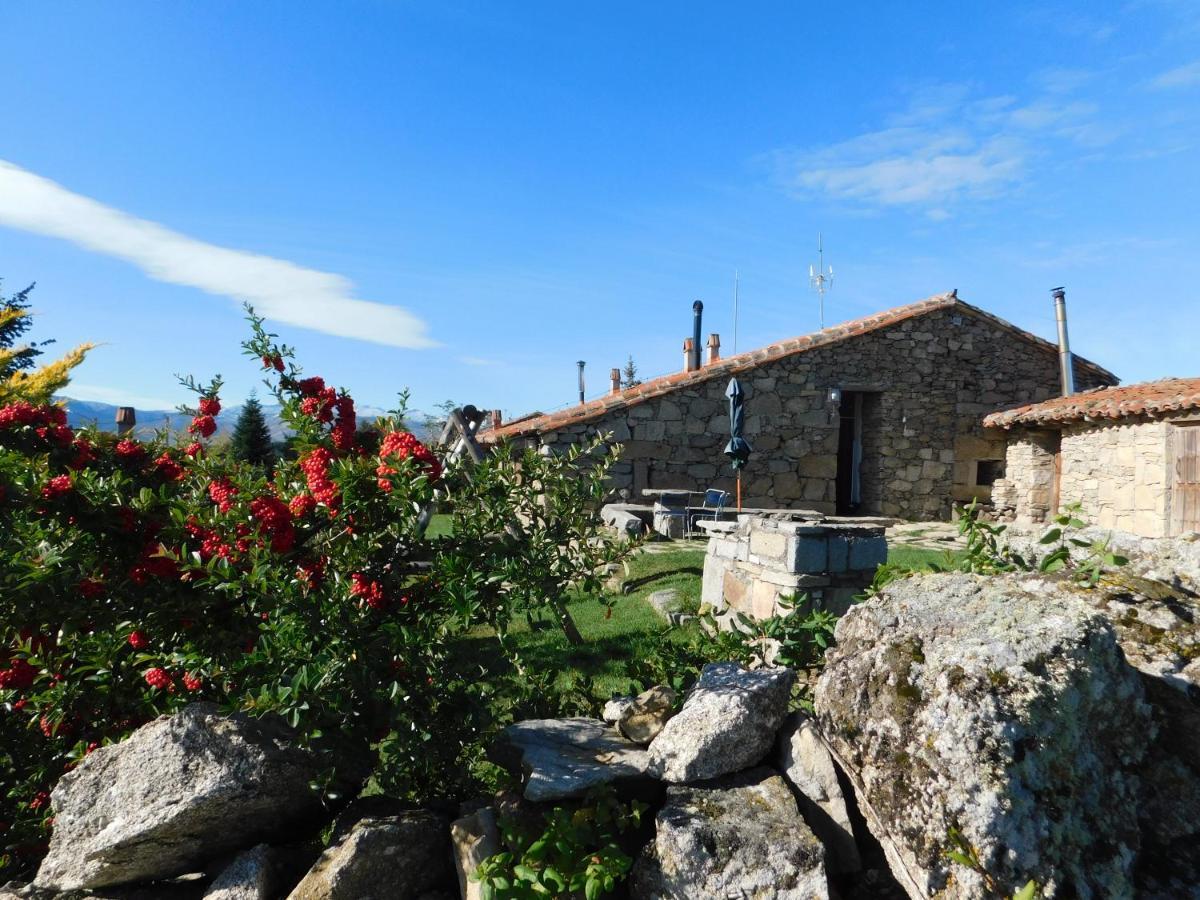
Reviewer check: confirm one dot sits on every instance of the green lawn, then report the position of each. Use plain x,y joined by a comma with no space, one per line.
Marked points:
614,643
921,558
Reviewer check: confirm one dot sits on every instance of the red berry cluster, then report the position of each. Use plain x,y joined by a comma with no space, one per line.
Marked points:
49,421
57,487
222,492
403,445
18,676
370,591
302,504
210,406
168,468
130,452
205,426
315,466
158,678
85,453
273,362
275,520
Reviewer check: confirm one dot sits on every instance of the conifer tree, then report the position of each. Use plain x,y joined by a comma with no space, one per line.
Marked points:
629,377
14,322
251,439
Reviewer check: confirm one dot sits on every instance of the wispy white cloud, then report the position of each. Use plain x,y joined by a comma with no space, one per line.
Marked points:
1187,75
945,147
278,289
476,361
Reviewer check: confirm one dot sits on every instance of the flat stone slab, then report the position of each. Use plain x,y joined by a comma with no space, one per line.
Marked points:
560,758
666,602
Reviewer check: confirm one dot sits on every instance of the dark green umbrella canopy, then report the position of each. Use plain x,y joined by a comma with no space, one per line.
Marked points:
737,449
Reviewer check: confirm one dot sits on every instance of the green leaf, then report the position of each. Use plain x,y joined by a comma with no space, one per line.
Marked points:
592,888
525,873
1029,892
1051,536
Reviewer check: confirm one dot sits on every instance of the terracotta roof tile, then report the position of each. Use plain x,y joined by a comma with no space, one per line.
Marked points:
735,365
1151,397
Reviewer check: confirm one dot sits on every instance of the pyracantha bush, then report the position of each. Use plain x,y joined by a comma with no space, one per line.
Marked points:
137,576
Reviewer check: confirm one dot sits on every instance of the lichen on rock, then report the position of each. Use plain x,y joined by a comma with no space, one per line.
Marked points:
1002,707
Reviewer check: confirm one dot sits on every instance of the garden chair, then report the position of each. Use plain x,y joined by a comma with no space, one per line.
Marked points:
714,502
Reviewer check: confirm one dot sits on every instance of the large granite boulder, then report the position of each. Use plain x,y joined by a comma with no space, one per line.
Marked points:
1001,707
737,836
560,758
378,853
728,723
180,791
807,765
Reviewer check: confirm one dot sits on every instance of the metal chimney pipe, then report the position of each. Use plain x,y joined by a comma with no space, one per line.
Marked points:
1065,365
697,315
581,364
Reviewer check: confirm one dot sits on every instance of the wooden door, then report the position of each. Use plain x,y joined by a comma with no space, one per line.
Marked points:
1185,490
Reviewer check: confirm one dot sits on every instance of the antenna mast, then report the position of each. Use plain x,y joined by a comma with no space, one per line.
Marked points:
735,300
821,278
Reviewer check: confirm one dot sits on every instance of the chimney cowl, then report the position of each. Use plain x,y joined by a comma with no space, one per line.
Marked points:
714,349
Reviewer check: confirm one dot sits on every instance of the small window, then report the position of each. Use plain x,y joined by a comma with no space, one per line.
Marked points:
987,471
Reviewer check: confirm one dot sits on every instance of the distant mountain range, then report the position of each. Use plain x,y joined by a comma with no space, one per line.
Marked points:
104,416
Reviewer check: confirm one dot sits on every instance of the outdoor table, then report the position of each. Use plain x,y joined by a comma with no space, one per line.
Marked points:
671,509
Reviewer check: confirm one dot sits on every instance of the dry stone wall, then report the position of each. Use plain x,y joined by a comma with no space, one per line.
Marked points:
1027,489
1119,474
927,380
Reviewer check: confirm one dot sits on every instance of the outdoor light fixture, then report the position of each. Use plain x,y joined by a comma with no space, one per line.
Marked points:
835,395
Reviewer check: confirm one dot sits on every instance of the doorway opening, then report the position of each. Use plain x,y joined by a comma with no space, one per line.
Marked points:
857,455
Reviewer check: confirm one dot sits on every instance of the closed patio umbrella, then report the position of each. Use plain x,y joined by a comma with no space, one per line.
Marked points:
737,449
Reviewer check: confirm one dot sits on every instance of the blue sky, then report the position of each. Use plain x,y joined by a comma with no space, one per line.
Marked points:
465,199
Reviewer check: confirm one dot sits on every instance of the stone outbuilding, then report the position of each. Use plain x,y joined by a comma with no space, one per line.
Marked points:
1130,455
878,416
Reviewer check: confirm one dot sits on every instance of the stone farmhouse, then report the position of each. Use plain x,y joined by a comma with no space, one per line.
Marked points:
1130,455
881,415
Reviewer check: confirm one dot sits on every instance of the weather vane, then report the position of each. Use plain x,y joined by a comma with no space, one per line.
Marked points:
821,278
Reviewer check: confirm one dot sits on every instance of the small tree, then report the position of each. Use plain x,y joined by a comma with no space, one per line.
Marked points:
251,440
629,376
14,322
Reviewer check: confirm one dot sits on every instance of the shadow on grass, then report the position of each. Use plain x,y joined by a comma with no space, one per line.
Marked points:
636,584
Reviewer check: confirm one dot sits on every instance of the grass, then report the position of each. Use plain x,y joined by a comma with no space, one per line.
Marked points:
615,643
921,559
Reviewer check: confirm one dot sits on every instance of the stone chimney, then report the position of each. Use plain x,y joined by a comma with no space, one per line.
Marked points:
714,349
497,420
126,419
689,358
615,377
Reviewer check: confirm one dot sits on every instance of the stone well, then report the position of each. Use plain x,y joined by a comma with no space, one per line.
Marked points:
753,562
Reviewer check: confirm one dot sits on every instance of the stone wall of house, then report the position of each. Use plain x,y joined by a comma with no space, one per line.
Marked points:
1120,475
931,379
1026,492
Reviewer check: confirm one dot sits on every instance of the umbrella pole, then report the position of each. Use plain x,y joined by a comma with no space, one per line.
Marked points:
739,490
